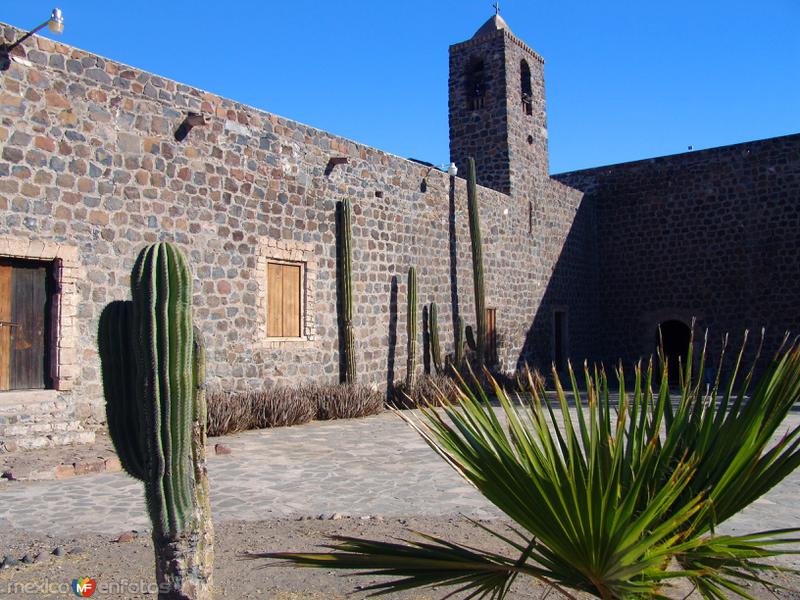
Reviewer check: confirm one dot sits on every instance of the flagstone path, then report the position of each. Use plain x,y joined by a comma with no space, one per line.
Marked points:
372,466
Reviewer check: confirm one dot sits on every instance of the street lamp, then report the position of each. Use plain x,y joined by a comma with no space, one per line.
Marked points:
55,24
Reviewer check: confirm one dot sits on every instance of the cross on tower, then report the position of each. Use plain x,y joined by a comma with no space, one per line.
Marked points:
496,7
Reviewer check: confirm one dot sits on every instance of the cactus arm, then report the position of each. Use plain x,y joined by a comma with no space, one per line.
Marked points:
411,327
181,349
115,345
205,547
142,284
200,413
477,260
170,407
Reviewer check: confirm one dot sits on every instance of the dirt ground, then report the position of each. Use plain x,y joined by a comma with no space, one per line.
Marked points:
112,563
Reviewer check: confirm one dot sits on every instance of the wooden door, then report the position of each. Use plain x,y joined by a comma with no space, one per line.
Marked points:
23,323
6,321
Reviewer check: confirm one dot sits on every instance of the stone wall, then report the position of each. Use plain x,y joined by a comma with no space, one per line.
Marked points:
91,170
509,144
711,235
527,133
89,158
480,132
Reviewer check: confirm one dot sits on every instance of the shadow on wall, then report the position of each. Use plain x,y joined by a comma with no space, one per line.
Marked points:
571,321
606,297
426,341
563,326
392,335
340,294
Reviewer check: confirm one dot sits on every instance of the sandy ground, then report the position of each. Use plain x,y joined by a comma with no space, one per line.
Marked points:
265,494
112,563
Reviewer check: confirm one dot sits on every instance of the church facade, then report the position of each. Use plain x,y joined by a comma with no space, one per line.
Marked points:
98,159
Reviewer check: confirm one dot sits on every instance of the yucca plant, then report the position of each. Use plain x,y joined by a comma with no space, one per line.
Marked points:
614,496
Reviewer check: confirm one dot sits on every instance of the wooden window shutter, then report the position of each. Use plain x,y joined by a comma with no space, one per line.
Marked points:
291,301
283,300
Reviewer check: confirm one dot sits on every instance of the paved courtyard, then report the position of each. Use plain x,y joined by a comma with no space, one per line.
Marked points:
372,466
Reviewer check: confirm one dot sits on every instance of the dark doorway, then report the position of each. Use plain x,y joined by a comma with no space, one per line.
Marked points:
675,337
27,295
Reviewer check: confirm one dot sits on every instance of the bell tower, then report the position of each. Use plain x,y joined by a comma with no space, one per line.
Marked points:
497,109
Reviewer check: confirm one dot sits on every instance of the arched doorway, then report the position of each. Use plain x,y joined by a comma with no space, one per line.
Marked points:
675,336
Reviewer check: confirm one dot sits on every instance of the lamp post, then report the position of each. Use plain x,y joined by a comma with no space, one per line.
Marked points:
55,24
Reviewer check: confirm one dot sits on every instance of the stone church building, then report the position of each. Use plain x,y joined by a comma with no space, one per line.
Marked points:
98,159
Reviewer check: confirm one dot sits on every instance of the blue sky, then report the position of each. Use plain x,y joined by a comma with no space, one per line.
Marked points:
625,79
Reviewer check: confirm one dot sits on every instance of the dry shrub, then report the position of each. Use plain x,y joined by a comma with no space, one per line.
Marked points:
228,412
280,406
344,401
274,406
428,389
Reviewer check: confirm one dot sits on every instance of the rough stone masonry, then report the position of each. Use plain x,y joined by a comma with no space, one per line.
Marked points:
91,170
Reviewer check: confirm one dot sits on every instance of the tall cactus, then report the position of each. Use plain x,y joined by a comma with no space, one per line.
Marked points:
411,328
477,261
436,350
153,366
345,270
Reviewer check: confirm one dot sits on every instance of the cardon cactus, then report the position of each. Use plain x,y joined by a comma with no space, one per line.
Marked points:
153,368
477,261
345,259
436,350
411,327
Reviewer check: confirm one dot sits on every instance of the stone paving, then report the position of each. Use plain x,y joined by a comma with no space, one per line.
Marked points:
372,466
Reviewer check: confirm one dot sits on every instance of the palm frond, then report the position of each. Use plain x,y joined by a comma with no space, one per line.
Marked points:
423,563
606,495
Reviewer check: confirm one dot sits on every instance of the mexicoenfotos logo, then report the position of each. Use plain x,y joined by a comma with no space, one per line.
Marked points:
84,587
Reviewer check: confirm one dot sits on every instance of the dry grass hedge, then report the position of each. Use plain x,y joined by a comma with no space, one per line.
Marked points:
345,401
428,389
281,406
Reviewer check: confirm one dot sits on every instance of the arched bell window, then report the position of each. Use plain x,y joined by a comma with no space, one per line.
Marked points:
525,87
476,84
